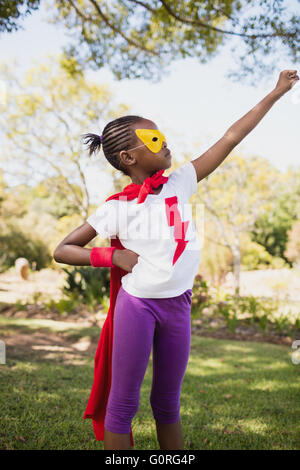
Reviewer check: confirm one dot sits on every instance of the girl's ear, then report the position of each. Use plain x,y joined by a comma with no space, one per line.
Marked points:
126,159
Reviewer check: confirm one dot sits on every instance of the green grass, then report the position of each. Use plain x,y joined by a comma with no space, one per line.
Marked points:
235,395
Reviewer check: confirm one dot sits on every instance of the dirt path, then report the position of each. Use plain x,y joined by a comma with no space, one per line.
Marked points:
42,285
45,285
27,341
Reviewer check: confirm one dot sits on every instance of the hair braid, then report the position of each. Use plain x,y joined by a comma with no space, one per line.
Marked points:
116,136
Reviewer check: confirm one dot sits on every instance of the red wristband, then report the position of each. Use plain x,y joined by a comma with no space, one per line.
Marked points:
102,256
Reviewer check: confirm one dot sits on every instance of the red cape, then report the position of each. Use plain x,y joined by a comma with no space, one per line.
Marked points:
96,407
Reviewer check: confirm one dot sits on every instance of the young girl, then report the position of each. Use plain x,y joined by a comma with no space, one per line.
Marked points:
154,257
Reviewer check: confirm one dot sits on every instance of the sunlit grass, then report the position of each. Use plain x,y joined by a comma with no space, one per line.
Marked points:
235,395
38,323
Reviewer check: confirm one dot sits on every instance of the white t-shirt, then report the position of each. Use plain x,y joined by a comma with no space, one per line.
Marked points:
166,267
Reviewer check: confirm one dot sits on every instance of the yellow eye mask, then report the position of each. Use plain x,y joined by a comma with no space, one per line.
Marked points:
152,138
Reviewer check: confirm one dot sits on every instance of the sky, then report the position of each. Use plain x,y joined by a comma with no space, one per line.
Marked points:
194,105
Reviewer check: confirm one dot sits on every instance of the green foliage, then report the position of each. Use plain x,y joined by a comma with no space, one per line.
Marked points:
297,324
88,285
240,310
147,36
282,325
63,305
237,195
253,199
272,233
272,227
16,244
50,106
10,10
200,298
105,302
19,304
229,313
255,256
140,39
47,196
247,309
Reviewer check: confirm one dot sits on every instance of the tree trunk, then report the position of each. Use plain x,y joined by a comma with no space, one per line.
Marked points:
236,267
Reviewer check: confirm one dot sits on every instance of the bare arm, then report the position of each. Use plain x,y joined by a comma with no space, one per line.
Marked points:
71,250
215,155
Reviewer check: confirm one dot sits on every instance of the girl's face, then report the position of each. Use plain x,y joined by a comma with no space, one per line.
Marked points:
142,157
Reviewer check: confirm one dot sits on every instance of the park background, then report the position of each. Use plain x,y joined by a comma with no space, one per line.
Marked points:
241,389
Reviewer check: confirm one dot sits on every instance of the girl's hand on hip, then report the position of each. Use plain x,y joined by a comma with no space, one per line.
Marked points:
287,80
125,259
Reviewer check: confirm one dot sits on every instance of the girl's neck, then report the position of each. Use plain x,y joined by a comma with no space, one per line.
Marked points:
140,176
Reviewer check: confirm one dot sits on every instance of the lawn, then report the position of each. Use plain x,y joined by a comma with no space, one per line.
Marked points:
235,395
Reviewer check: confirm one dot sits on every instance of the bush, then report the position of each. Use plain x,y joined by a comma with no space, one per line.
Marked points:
255,256
16,244
88,285
207,303
200,298
247,309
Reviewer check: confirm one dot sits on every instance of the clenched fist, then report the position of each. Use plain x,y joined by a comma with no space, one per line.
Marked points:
125,259
287,79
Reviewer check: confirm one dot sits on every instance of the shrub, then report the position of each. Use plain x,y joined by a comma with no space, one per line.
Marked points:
200,298
87,284
17,244
234,309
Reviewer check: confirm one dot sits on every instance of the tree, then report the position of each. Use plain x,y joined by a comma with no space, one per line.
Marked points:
42,123
3,187
17,218
271,228
235,195
293,246
10,10
139,39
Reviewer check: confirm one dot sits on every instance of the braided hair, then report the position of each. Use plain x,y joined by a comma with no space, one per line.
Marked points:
116,136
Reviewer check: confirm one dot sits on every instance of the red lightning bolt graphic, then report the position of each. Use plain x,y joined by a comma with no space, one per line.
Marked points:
180,228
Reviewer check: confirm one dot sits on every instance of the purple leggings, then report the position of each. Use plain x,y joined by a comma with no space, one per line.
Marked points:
139,324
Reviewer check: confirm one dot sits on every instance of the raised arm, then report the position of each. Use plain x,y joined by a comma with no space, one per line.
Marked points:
214,156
